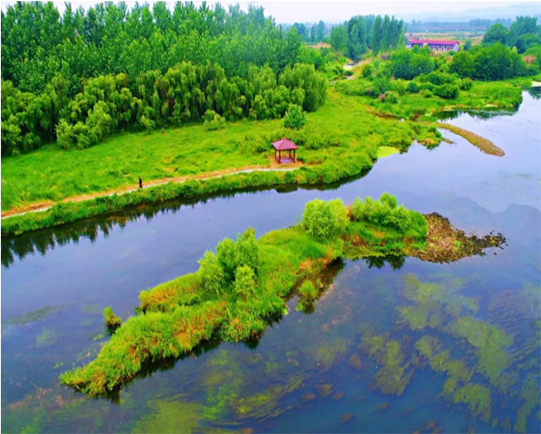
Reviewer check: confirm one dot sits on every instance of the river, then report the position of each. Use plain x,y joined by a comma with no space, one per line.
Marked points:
309,372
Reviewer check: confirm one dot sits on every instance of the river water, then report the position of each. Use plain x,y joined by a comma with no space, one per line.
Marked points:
318,372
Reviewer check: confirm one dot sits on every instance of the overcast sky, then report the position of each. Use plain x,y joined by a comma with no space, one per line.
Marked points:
333,11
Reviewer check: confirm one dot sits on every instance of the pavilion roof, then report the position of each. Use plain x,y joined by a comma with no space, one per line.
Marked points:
284,145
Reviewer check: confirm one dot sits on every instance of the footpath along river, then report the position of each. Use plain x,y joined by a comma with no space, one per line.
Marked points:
328,371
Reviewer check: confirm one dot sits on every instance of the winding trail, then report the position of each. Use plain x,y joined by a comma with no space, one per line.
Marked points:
219,174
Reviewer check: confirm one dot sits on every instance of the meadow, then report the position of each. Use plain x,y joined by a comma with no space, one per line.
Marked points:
341,129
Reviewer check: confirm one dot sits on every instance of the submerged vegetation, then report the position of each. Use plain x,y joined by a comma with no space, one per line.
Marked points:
242,286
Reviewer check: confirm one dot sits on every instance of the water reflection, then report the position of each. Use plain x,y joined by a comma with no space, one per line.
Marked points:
42,240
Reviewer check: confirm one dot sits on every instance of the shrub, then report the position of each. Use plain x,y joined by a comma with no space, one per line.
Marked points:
367,70
447,91
427,94
308,291
391,97
389,200
294,117
227,257
213,121
467,84
413,87
111,320
399,218
248,250
245,281
211,274
427,86
324,219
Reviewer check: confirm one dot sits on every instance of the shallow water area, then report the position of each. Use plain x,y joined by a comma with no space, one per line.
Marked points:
333,370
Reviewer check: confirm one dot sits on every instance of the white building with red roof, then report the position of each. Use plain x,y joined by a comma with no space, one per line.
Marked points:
435,45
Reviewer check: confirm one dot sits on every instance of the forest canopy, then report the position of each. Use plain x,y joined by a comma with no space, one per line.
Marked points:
80,76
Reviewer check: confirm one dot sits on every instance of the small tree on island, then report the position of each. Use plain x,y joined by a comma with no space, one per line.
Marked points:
294,117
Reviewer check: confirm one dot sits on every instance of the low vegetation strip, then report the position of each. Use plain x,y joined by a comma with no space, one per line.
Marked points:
68,212
483,144
154,183
243,286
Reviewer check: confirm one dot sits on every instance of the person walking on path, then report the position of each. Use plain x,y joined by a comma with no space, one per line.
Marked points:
140,183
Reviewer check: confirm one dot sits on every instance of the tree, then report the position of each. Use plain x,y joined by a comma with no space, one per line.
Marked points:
324,219
496,33
245,281
248,250
377,36
211,274
339,37
463,64
294,117
320,31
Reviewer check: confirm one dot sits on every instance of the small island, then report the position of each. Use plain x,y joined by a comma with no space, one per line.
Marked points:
244,285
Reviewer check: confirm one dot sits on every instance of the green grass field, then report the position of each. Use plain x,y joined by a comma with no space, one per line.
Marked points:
342,129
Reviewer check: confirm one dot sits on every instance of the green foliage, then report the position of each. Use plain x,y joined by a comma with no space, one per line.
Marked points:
213,121
324,219
111,320
447,91
374,32
408,64
308,291
367,71
175,316
294,117
211,274
245,281
413,87
248,250
227,257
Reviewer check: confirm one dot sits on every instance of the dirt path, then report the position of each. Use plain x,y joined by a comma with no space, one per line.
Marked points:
43,206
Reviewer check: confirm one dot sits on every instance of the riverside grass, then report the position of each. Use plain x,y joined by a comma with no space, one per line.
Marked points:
341,130
176,316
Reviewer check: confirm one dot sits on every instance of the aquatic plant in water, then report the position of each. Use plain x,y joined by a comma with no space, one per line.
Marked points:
393,377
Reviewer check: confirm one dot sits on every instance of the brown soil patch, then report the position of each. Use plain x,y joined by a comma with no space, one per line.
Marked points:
444,243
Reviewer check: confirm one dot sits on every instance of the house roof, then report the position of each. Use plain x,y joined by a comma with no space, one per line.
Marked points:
432,42
284,145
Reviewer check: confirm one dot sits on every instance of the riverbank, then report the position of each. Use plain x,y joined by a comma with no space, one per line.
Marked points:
236,292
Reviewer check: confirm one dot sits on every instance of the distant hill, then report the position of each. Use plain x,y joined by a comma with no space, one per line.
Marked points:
492,13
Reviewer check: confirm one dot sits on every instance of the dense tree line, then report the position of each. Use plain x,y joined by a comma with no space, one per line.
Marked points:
494,62
86,73
312,34
361,33
185,93
523,33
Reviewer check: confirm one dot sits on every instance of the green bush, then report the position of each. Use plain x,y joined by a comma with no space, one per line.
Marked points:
213,121
245,281
447,91
324,219
367,70
294,117
111,320
227,257
413,87
308,292
427,93
391,97
248,250
467,84
211,274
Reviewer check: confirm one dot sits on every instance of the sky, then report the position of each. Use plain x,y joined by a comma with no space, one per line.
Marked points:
285,11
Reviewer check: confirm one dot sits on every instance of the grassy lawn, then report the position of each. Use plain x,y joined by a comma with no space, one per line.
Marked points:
342,129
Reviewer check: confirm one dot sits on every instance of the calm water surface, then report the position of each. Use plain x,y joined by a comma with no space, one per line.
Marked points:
318,372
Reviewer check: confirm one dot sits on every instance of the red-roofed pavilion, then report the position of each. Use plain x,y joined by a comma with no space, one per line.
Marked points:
285,145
